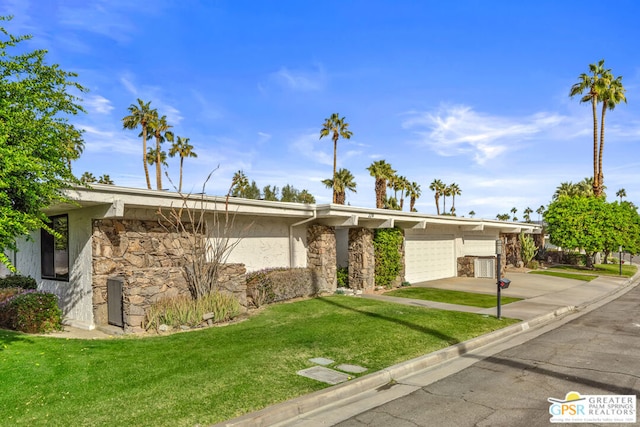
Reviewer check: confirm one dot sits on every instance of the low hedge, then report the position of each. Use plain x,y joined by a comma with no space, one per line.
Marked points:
17,281
279,284
31,312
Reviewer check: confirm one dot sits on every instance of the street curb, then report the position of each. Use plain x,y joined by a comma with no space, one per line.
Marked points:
295,408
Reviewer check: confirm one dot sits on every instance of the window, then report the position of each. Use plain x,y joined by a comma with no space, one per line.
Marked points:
55,250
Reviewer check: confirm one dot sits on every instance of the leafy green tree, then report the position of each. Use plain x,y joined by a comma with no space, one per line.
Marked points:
37,143
337,127
160,130
182,148
252,191
382,172
141,115
578,223
438,188
344,181
87,178
105,179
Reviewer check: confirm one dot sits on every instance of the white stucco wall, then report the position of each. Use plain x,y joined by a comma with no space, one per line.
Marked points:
266,243
76,295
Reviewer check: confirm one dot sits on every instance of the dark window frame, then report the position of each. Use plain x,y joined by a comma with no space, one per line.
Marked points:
54,252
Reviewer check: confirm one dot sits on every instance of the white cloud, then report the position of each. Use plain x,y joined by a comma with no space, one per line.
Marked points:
307,146
298,80
99,140
97,104
459,130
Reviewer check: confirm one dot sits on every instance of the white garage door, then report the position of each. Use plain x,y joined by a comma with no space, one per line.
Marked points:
429,258
479,246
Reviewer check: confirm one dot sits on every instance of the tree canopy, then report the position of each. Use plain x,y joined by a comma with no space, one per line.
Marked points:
37,143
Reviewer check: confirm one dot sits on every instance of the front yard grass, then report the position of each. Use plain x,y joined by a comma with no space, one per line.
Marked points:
215,374
451,297
584,273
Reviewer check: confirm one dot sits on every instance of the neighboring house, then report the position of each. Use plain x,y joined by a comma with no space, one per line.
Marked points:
115,257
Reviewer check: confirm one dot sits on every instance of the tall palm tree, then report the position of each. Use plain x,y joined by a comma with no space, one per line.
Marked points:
612,95
540,211
140,115
437,187
382,172
337,127
413,192
105,179
472,213
183,149
455,190
344,180
401,185
160,130
591,86
153,156
446,192
527,214
239,185
621,193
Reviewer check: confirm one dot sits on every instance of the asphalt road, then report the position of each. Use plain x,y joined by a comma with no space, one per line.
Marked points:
597,353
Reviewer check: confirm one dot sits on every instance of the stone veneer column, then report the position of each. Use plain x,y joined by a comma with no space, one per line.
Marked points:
321,257
361,259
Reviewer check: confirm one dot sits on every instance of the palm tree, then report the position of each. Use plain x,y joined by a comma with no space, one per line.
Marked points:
336,127
183,149
514,210
391,203
402,185
105,179
472,213
503,217
160,130
239,185
153,156
87,178
540,211
446,192
413,192
140,115
527,214
592,85
344,180
621,193
455,191
382,172
612,95
437,187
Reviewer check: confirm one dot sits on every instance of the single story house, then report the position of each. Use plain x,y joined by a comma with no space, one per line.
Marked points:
114,248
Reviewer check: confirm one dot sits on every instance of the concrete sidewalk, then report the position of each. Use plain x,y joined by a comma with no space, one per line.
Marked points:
546,299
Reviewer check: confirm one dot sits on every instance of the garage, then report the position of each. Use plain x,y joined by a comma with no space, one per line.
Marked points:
429,257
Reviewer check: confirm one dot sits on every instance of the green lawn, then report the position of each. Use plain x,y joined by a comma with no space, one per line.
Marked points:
451,297
598,270
218,373
565,275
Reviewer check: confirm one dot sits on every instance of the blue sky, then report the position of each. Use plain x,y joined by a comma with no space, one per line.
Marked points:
471,92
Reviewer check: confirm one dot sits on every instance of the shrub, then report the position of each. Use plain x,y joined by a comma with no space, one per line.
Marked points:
32,312
574,258
17,281
279,284
343,277
184,310
533,265
387,243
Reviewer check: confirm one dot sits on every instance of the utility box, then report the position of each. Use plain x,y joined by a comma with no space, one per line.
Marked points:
115,287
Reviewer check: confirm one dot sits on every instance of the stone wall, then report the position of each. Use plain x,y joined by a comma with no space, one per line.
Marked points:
150,260
466,266
511,253
361,259
321,257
